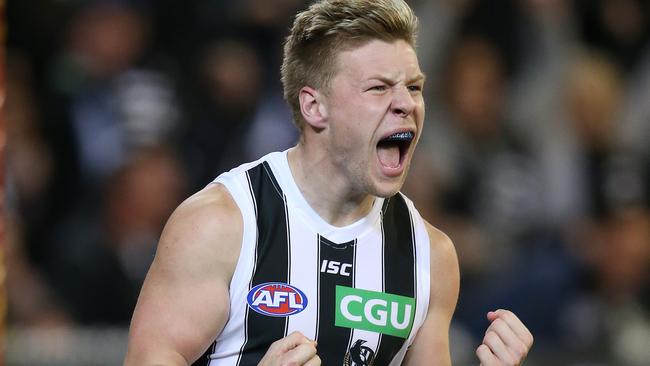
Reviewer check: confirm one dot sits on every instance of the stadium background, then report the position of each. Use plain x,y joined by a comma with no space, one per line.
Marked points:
535,159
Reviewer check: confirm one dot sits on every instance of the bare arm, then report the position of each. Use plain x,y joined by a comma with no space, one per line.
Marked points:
184,301
431,345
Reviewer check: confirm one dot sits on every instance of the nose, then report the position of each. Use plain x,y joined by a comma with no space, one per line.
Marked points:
403,102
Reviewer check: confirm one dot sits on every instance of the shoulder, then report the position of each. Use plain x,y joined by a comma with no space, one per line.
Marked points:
440,243
210,210
205,229
211,200
444,262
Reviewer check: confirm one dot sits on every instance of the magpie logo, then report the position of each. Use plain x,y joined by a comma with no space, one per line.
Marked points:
359,355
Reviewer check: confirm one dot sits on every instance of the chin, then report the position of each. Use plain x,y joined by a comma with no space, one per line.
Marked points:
387,189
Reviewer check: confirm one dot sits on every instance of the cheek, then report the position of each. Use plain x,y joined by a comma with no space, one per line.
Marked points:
354,123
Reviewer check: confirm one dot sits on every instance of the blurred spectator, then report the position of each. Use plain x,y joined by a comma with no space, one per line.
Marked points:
236,120
604,173
29,162
103,256
486,177
106,102
618,28
31,302
228,88
609,317
102,105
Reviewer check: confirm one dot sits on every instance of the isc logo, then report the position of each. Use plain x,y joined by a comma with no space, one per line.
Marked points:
335,267
276,299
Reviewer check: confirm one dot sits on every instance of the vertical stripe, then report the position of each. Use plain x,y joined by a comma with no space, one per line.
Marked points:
399,259
286,215
318,299
368,276
332,340
304,274
250,284
354,285
271,261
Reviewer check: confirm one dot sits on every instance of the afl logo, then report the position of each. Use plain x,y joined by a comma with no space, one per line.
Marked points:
276,299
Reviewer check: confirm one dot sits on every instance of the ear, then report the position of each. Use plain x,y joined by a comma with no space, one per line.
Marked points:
312,108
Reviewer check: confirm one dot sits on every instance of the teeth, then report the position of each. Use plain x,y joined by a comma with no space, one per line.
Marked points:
400,136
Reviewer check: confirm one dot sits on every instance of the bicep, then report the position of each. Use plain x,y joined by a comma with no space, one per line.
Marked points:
184,301
431,345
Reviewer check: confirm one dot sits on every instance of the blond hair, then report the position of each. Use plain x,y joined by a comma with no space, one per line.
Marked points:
331,26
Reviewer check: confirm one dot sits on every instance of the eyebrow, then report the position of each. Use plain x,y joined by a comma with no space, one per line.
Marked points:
419,77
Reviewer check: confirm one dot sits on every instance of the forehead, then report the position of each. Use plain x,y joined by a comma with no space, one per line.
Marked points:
395,60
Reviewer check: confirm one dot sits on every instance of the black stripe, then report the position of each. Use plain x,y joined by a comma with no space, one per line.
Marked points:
399,258
354,285
271,263
332,340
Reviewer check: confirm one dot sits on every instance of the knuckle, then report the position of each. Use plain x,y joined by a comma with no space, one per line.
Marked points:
506,313
490,335
480,349
498,322
519,351
274,346
484,354
510,359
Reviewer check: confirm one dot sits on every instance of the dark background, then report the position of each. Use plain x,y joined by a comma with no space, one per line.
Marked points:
535,159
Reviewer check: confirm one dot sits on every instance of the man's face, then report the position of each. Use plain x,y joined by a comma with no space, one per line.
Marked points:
375,111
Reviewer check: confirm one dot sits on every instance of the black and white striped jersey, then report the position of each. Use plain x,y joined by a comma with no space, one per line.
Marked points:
361,291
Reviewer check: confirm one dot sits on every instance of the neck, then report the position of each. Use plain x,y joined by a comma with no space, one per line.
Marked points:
325,189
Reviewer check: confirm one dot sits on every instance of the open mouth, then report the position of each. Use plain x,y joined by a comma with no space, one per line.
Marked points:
392,149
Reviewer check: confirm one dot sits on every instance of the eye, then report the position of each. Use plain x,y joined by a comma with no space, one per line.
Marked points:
379,88
415,88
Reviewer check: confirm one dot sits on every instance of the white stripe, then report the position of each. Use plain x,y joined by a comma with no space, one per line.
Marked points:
233,336
304,274
289,259
368,277
318,297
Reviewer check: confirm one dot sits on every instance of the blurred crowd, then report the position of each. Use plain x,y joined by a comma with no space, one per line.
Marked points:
535,157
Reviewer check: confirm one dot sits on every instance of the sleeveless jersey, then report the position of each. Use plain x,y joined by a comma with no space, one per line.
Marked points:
361,291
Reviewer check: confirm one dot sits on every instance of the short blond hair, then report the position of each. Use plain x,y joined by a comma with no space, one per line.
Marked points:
328,27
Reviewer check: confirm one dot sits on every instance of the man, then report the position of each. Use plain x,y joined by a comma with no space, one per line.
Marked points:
311,255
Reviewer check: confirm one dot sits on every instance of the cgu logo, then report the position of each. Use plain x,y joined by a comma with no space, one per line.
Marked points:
374,311
276,299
